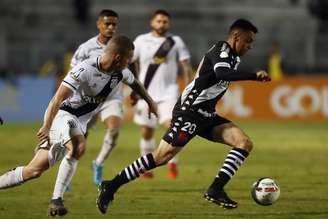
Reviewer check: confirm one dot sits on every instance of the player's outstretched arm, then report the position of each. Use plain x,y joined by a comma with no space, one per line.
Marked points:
52,109
140,89
227,74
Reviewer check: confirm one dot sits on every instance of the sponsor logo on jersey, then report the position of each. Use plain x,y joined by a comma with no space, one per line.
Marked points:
159,60
114,82
89,99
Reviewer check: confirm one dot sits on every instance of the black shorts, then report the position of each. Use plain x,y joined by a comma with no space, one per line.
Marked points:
184,126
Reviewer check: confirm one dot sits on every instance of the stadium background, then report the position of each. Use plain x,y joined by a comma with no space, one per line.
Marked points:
286,118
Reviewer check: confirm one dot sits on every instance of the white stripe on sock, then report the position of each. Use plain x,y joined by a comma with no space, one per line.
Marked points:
229,167
236,159
226,171
127,173
237,152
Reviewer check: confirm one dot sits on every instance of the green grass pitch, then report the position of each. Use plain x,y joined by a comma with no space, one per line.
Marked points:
295,154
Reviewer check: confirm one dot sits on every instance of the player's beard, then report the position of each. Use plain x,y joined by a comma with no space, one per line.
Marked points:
161,31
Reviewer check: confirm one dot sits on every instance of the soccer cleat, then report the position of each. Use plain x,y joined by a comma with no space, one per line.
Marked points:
105,196
97,173
173,170
220,198
147,175
56,207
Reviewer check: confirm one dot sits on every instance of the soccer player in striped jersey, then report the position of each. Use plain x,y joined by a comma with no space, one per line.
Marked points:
79,97
195,114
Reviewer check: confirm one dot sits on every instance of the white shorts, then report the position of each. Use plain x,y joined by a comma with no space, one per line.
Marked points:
111,108
164,113
63,128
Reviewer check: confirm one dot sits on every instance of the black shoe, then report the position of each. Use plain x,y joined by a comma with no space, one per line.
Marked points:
105,196
220,198
56,207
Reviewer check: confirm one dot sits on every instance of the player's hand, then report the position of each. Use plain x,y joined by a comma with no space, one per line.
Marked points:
1,121
262,76
134,97
152,109
43,135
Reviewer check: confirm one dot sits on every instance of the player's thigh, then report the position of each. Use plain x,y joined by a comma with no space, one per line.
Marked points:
231,134
66,135
182,129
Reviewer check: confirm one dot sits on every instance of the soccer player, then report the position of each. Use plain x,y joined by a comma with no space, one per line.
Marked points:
194,114
157,55
111,113
79,97
1,121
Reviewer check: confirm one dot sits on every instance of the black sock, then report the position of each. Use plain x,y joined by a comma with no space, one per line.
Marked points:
134,170
230,166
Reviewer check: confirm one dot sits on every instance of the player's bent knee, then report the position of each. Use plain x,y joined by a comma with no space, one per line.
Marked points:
79,150
147,133
246,144
112,134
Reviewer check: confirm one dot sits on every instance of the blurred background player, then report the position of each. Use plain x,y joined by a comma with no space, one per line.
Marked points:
195,114
156,56
111,112
74,104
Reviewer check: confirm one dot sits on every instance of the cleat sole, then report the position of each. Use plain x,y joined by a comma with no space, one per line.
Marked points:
221,204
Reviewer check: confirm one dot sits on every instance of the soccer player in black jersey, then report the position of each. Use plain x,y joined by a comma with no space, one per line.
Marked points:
194,114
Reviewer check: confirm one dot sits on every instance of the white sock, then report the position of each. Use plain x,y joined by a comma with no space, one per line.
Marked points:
12,178
65,174
175,159
108,145
147,146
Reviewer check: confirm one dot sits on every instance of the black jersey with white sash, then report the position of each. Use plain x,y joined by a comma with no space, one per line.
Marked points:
217,68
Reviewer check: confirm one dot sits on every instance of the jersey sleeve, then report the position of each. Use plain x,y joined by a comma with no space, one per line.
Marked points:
79,56
75,77
183,52
128,77
220,56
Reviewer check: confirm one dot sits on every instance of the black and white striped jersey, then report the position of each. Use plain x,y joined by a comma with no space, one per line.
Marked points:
217,68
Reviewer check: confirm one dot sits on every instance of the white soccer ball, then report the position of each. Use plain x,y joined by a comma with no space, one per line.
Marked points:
265,191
